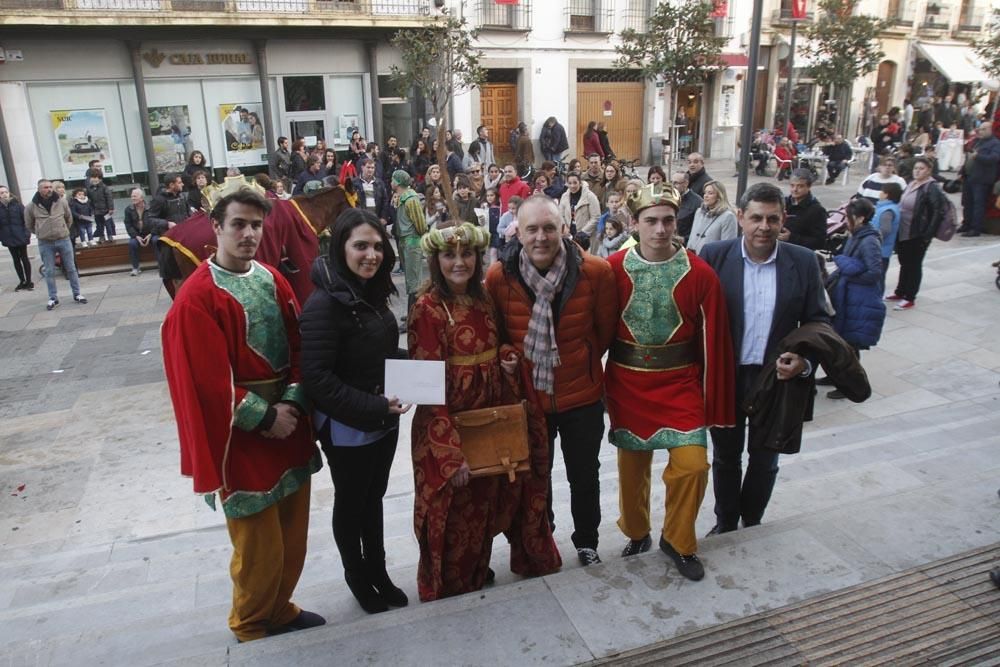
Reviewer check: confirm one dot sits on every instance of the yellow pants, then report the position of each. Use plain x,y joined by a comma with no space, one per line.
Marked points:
685,477
269,549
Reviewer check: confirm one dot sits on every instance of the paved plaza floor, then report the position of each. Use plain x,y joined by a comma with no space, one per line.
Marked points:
106,556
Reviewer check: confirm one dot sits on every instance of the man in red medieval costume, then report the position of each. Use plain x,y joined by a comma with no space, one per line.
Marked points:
231,355
669,376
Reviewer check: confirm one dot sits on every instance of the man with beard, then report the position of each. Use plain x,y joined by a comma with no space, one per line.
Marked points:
48,217
242,417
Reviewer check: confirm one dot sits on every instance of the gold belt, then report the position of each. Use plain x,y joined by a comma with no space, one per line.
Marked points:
270,390
472,359
655,357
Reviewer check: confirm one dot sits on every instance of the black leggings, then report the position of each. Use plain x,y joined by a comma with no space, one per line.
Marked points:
911,267
21,263
360,478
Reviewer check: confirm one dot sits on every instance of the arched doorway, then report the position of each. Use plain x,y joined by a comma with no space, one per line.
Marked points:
883,85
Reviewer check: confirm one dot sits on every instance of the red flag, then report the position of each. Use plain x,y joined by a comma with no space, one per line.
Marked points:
798,9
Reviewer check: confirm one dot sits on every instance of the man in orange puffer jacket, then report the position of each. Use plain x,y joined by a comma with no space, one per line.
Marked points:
559,307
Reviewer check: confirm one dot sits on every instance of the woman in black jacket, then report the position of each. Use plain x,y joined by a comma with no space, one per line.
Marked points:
348,331
921,211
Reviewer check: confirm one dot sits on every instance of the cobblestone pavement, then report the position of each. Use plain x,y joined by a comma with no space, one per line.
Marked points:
106,557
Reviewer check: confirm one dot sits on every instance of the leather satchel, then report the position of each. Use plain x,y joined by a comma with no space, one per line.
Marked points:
494,440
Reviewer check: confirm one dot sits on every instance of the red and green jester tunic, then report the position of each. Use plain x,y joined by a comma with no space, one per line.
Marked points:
226,339
676,301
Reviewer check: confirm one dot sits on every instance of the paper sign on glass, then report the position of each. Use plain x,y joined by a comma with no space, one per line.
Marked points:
418,382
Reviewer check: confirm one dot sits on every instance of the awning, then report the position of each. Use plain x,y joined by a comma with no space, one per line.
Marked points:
957,62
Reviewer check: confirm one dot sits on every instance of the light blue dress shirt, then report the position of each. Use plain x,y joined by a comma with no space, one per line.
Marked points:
760,288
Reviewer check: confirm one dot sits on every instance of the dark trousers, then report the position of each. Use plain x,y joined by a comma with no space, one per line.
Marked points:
911,266
104,224
580,433
22,266
975,196
360,478
736,495
835,168
134,249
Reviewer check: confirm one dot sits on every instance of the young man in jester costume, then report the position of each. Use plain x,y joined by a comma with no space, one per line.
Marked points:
231,356
669,376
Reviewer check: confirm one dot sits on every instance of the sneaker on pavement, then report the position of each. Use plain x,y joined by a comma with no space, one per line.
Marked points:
689,566
20,286
79,298
29,286
892,297
134,272
305,620
588,556
51,304
904,305
639,546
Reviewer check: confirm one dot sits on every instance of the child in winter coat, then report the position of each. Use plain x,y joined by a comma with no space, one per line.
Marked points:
83,217
614,236
886,220
493,205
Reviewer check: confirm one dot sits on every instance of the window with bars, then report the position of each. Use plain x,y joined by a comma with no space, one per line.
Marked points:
590,16
503,15
637,13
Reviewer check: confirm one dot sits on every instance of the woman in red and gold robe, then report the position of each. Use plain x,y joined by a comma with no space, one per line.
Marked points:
456,516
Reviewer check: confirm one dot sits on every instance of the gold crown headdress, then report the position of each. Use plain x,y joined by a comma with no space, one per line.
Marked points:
466,234
216,191
647,196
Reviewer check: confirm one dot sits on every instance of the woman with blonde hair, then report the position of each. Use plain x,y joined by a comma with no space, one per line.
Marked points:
456,514
714,220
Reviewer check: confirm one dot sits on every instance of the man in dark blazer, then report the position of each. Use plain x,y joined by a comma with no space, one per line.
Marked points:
771,288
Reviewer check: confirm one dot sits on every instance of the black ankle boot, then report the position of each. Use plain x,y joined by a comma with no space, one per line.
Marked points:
389,592
364,592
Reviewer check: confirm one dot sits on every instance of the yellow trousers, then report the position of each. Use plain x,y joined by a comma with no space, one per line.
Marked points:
269,549
686,477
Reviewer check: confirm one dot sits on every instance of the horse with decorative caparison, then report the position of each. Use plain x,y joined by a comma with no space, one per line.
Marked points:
292,233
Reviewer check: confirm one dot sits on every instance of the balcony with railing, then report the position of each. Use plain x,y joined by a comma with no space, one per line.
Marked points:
937,18
375,13
637,14
784,12
901,14
971,18
590,16
493,15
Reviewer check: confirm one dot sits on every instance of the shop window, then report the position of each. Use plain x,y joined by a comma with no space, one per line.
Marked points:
304,93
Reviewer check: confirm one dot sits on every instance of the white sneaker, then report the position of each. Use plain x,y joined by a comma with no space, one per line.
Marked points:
134,272
91,243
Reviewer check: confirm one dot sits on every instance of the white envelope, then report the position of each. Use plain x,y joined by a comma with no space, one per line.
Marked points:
418,382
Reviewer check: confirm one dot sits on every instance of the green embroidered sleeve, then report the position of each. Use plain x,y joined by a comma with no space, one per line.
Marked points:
294,393
415,212
249,412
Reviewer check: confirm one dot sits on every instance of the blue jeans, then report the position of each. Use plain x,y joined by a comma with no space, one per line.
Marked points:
48,250
134,246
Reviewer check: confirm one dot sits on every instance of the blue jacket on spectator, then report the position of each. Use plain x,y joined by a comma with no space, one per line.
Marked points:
888,232
857,295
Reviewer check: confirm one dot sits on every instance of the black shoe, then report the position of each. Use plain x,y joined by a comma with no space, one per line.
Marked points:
689,566
836,394
588,556
639,546
491,576
380,580
304,621
995,576
971,233
20,286
29,286
718,530
830,180
364,592
824,381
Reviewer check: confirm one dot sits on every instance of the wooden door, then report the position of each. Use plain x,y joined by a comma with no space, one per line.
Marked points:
498,110
624,125
883,86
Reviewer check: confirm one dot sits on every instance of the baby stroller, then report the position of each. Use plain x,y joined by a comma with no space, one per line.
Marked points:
836,230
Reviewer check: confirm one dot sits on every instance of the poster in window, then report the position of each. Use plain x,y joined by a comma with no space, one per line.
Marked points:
244,133
81,136
171,130
346,128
